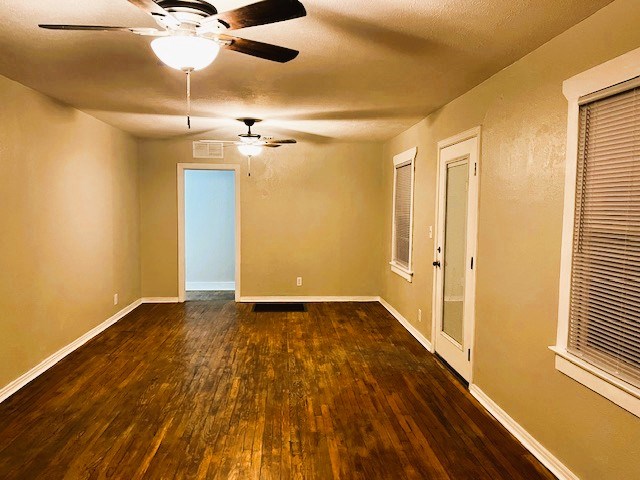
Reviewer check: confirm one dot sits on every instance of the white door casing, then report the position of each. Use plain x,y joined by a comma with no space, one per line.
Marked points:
456,154
181,167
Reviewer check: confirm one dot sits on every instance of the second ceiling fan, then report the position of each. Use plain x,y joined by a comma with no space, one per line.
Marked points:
250,144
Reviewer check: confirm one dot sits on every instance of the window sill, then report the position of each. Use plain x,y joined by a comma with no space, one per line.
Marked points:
403,272
619,392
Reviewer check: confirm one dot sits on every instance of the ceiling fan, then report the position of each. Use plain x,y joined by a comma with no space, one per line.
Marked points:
251,144
192,32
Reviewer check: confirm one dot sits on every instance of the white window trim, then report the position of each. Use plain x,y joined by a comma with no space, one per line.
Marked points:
618,70
405,158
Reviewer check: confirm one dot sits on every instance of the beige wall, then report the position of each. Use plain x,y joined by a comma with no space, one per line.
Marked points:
69,241
523,115
310,210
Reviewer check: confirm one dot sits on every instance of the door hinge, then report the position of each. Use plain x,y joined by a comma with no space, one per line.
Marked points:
475,169
471,263
469,355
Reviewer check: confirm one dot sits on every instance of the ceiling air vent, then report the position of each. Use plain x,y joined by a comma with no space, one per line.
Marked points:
207,149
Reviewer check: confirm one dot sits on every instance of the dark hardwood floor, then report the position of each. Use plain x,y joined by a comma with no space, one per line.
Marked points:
209,389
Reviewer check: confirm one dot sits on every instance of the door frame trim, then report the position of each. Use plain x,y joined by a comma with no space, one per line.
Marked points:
181,167
475,132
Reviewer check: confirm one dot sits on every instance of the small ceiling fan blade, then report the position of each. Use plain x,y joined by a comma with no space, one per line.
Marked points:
262,13
271,145
152,32
259,49
85,27
155,10
287,141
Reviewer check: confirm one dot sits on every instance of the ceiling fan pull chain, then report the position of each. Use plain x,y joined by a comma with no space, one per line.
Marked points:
249,165
188,72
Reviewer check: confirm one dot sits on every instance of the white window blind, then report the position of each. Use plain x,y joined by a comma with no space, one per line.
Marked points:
402,214
604,316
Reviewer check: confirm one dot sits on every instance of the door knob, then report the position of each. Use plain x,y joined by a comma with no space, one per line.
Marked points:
436,263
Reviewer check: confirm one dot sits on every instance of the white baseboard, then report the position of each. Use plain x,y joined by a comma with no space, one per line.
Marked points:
47,363
159,300
406,324
306,299
556,467
211,286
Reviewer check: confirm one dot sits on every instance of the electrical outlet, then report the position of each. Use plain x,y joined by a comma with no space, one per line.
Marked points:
419,315
115,299
299,281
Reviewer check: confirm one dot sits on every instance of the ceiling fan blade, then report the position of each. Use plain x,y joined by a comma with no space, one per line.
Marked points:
262,13
155,10
271,145
288,141
259,49
85,27
105,28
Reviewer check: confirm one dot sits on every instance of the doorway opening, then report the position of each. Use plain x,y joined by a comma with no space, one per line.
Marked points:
209,231
455,251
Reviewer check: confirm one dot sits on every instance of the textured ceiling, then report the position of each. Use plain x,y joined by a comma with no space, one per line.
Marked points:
367,69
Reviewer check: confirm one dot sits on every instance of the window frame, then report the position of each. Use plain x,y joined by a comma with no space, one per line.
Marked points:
403,159
595,84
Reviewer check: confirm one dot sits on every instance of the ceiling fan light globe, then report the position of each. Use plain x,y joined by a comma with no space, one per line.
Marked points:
250,150
184,52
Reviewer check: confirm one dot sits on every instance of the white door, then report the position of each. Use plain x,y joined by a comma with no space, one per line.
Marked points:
455,254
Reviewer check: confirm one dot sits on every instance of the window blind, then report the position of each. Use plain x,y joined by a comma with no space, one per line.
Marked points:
604,317
403,214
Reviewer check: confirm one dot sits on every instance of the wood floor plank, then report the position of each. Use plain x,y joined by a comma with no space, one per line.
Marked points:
210,389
